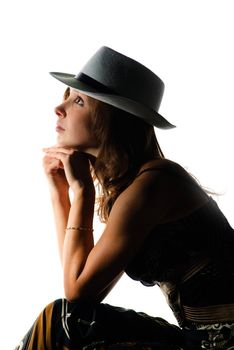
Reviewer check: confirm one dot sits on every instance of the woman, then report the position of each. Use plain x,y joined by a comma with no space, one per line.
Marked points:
161,226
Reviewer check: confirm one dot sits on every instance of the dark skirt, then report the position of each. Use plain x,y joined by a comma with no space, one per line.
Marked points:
70,326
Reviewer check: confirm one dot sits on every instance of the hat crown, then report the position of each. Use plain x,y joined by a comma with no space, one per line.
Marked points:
125,77
122,82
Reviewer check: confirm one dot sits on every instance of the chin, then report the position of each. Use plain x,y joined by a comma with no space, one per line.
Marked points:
81,148
62,142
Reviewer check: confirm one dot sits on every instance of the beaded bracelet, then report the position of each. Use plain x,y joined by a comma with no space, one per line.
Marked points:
80,228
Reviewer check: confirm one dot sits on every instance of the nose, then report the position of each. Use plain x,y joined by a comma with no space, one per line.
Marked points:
60,111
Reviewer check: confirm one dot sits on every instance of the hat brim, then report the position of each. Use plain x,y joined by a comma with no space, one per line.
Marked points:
148,115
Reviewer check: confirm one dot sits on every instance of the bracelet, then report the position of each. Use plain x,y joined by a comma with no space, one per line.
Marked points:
80,228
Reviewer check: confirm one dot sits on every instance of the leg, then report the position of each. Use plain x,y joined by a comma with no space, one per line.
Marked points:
72,326
49,330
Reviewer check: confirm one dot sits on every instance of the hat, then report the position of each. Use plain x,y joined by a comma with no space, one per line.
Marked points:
120,81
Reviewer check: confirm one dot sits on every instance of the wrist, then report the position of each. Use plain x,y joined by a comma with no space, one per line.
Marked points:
83,203
81,212
84,194
59,195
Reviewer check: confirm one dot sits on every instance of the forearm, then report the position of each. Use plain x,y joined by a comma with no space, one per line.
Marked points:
78,242
61,207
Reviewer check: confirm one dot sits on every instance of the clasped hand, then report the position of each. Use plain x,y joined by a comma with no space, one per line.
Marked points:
67,167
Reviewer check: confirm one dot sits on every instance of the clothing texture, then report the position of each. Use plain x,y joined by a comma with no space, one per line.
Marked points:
64,325
191,259
68,326
202,242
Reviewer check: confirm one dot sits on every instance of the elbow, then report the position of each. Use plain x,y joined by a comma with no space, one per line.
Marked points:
79,295
72,294
72,289
71,300
73,297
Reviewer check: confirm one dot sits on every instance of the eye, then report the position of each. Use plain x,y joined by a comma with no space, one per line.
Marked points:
79,101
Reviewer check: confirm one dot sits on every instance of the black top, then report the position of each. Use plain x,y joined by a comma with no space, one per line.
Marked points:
172,247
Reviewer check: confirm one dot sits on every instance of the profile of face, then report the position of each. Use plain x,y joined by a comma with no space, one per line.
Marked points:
74,124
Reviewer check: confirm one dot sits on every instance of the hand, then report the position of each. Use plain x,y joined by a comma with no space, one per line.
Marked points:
72,165
55,175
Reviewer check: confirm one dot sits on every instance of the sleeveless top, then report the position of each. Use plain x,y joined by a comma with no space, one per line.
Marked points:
191,259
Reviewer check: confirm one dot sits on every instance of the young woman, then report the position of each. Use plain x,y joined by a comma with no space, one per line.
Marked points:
161,226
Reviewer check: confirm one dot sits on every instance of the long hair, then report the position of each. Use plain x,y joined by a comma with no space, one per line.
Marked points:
125,143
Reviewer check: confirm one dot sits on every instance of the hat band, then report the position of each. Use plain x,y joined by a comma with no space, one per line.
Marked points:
83,78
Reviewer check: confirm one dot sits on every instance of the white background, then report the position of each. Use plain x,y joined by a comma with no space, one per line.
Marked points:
189,44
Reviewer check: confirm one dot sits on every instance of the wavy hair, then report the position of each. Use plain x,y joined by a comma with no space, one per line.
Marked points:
125,144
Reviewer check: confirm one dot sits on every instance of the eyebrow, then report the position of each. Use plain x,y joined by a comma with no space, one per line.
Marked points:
76,91
79,93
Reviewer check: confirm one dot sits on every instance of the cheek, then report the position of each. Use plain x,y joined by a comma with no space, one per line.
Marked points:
81,129
83,126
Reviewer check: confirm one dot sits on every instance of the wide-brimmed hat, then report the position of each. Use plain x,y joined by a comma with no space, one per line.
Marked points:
120,81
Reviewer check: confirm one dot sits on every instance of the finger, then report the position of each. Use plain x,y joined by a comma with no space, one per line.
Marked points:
52,170
49,159
66,150
58,155
49,163
63,158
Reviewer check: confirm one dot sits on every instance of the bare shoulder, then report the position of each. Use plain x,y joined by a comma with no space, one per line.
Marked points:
167,170
163,164
159,171
165,187
148,193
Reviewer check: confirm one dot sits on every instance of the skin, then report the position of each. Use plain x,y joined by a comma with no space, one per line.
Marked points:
90,271
74,115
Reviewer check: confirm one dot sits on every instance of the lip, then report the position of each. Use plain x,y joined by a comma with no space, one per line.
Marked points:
59,128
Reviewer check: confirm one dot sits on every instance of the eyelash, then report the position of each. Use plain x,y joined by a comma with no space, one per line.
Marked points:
79,99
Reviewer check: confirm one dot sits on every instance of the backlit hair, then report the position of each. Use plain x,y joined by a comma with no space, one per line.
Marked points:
125,142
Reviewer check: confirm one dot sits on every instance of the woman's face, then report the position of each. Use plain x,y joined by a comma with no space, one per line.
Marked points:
74,125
